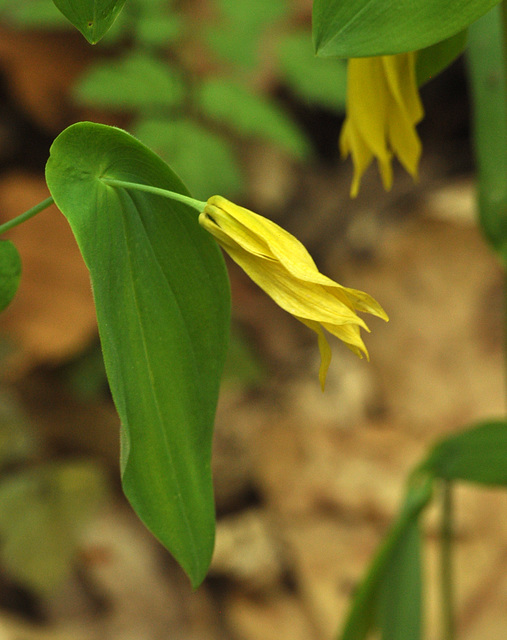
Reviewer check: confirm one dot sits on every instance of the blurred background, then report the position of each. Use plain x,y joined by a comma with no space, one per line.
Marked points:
229,93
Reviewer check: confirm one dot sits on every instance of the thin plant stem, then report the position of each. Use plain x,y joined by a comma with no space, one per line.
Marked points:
7,226
446,572
172,195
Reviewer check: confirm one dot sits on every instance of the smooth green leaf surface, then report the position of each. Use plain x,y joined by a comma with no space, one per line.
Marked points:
205,160
10,272
162,298
249,114
476,455
137,82
487,76
92,17
432,60
385,577
380,27
400,606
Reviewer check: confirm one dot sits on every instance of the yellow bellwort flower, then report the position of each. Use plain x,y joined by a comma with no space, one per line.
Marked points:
280,265
383,108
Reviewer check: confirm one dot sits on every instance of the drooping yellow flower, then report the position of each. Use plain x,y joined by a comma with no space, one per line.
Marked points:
383,108
280,265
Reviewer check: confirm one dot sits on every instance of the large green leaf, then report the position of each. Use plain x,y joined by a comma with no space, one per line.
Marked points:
10,272
92,17
476,455
379,27
162,299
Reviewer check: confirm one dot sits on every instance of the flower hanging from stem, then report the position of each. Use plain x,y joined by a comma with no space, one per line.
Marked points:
383,108
278,263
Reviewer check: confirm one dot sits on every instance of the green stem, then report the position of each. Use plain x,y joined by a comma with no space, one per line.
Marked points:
172,195
446,576
7,226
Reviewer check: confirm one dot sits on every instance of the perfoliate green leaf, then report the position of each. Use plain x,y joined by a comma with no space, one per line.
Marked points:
432,60
317,81
487,76
92,17
475,455
43,511
138,82
252,115
162,299
204,160
10,272
380,27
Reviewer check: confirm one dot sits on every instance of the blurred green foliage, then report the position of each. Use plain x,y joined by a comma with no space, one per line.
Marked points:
199,82
44,505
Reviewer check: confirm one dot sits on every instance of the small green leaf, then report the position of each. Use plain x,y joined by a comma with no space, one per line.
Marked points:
10,272
487,76
205,160
475,455
43,511
251,115
92,17
317,81
162,298
380,27
432,60
137,82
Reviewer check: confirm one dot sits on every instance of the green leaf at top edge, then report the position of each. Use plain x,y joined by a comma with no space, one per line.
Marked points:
382,27
92,17
162,298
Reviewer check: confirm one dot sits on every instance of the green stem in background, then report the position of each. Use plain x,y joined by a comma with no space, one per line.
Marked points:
172,195
7,226
446,577
486,74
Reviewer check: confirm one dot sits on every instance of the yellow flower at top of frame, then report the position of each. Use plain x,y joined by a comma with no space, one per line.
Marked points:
280,265
383,108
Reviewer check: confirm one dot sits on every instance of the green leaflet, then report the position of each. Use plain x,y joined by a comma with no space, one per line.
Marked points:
162,299
92,17
10,272
380,27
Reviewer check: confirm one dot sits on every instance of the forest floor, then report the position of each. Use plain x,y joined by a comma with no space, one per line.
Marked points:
306,483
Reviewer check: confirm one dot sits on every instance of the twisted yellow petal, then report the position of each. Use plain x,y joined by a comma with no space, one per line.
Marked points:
278,263
383,108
